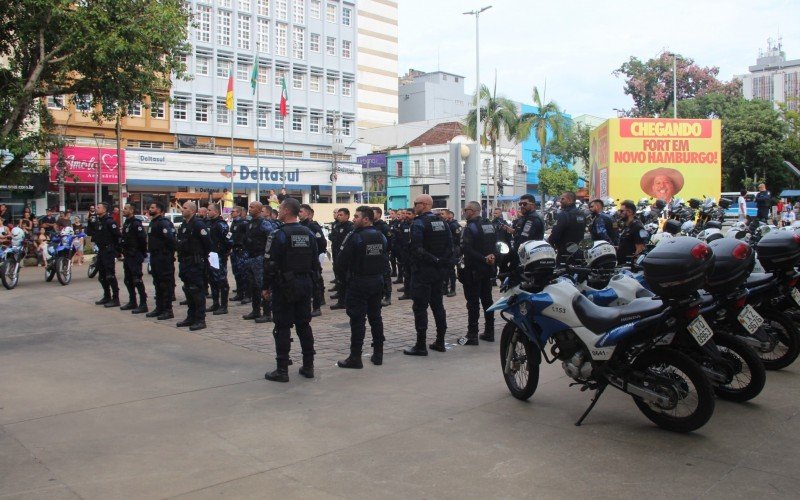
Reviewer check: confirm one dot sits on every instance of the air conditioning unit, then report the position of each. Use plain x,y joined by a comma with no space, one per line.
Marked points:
522,168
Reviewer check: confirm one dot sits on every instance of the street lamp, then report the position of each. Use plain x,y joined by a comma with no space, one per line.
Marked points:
98,186
674,83
478,125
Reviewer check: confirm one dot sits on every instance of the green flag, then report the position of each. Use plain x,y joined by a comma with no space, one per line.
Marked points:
254,75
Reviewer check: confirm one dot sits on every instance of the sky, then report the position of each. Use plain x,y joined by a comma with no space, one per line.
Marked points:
572,47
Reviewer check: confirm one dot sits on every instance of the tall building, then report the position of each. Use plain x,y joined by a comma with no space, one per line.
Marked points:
432,96
377,63
773,78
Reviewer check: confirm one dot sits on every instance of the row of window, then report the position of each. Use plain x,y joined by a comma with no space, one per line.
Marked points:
282,10
84,104
431,171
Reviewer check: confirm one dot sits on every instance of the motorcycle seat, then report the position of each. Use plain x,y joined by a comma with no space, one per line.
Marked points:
757,279
601,319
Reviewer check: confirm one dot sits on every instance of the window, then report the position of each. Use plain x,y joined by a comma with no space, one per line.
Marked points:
263,74
222,113
314,83
84,102
223,28
442,167
399,169
135,109
329,122
299,12
280,10
431,167
314,8
298,80
55,102
157,110
298,43
346,16
243,71
297,122
180,110
262,7
346,44
203,23
244,5
347,88
331,85
346,126
224,68
313,125
201,66
278,119
280,75
242,114
417,169
330,13
224,3
201,111
330,46
243,32
262,40
263,117
313,42
280,39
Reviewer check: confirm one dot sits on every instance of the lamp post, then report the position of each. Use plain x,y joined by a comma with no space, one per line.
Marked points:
674,83
478,125
97,182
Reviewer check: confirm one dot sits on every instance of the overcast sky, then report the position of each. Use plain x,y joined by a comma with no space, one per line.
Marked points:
575,45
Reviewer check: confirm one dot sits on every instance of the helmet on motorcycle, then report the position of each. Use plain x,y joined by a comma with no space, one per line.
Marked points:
537,260
67,231
602,259
659,237
687,227
713,223
17,237
659,204
672,226
709,235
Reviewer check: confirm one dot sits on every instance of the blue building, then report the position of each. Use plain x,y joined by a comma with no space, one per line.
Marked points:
398,190
531,150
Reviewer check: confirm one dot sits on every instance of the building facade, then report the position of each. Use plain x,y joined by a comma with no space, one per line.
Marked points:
431,96
377,40
773,78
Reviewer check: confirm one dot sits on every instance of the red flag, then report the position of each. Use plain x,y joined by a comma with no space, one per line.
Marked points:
284,98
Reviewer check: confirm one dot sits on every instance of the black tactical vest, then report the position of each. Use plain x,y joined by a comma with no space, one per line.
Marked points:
299,257
371,258
256,238
161,235
487,237
435,235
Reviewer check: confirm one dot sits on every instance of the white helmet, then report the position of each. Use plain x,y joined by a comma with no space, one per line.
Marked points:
709,235
602,259
659,237
687,227
17,237
67,231
537,259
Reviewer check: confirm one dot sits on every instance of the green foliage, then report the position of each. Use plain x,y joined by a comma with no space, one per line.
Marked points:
113,52
548,116
572,146
554,180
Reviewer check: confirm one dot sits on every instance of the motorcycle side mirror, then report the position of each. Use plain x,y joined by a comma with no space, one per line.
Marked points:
586,244
502,248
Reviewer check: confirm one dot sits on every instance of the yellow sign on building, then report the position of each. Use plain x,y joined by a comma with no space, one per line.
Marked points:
633,158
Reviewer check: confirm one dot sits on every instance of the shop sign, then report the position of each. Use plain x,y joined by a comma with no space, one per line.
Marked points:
82,165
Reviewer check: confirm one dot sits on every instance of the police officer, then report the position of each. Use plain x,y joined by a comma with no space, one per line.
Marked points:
570,225
392,256
238,254
478,244
602,226
288,265
161,243
763,203
455,231
633,236
134,248
105,234
363,260
343,228
219,234
384,229
400,244
528,226
307,220
194,246
430,251
258,230
404,242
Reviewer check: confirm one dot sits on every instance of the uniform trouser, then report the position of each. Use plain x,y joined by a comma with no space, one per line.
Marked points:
319,286
106,271
218,280
363,301
193,275
132,267
407,277
295,313
478,292
255,279
238,261
387,281
401,264
393,262
426,290
162,266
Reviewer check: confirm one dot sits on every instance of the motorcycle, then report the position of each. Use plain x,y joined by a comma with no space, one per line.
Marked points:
92,269
61,252
12,258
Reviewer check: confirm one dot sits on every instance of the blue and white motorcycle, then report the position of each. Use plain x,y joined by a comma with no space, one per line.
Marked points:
597,346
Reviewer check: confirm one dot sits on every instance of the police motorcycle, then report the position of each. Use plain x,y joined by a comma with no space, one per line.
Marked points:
60,252
11,258
731,366
598,346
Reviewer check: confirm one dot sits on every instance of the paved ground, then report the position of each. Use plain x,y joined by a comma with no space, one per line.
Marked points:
96,403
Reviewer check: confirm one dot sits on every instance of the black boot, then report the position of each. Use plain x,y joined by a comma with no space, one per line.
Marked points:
265,318
197,325
387,301
142,299
470,339
353,361
377,354
141,309
307,370
214,301
404,297
154,313
337,305
106,293
419,348
280,374
488,333
223,302
315,313
167,314
185,322
438,344
129,306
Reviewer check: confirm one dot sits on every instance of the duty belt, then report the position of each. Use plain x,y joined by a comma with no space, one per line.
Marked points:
195,259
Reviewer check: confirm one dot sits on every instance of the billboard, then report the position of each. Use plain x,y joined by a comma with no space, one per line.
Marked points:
633,158
82,165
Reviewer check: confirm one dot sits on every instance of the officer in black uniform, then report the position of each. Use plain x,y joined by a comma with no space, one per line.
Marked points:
307,220
404,243
601,226
392,255
528,226
431,251
161,242
288,265
193,248
202,214
570,225
455,231
384,229
134,248
399,244
363,260
478,245
633,236
105,234
238,254
258,230
220,236
343,228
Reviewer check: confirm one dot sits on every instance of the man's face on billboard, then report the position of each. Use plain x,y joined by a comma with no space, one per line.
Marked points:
663,187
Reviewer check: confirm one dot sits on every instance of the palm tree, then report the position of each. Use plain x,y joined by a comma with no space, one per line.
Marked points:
499,117
547,116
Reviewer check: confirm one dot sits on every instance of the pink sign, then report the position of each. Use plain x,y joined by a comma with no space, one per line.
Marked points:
82,165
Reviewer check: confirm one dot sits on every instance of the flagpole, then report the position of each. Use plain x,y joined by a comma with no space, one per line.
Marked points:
258,164
283,156
232,169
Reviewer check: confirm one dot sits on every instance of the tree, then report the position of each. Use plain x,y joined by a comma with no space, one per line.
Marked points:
554,180
572,148
650,84
547,117
109,52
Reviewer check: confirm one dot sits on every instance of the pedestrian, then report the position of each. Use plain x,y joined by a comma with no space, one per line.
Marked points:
105,234
194,246
238,253
570,225
363,261
288,265
385,230
430,253
219,235
601,226
343,228
272,200
404,242
633,236
763,203
787,216
134,249
161,242
455,232
478,246
258,230
741,203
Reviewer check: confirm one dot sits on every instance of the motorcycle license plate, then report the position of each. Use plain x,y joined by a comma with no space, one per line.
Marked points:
700,330
750,319
796,296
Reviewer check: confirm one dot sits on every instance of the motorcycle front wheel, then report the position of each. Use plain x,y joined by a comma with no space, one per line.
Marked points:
64,270
50,271
522,358
92,270
9,273
674,375
785,337
748,377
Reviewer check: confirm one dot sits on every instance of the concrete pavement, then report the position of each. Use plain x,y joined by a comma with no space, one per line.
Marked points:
97,403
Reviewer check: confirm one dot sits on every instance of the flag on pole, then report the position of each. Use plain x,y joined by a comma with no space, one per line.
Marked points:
229,96
254,75
284,98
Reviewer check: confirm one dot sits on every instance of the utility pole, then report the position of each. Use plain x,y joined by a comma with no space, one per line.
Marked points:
478,125
119,166
335,130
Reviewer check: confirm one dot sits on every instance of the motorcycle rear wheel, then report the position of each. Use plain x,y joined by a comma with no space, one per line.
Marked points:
748,382
9,273
64,270
689,389
787,340
523,376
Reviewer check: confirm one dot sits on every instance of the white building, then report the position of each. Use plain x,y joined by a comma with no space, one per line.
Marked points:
377,39
773,78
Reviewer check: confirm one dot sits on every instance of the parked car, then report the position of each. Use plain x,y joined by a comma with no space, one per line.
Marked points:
176,218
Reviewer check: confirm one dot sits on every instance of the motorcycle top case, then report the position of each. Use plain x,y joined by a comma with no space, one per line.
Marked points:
733,262
778,250
678,267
